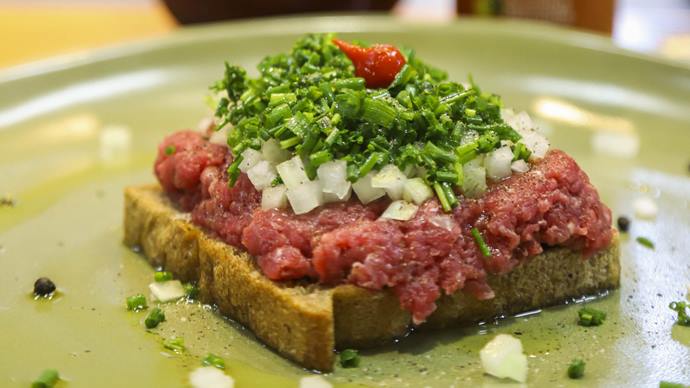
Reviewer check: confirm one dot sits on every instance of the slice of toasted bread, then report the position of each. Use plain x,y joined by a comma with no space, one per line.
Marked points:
305,322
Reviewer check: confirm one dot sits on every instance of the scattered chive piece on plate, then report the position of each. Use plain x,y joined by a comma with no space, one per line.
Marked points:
589,316
668,384
176,344
136,302
155,317
191,291
576,369
213,360
644,241
162,276
682,309
349,358
47,379
480,242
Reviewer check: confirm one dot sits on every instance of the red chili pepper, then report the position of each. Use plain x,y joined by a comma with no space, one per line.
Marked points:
378,64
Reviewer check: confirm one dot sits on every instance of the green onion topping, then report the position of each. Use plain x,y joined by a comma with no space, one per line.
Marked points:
311,102
162,276
191,291
668,384
155,317
213,360
47,379
576,369
176,344
169,150
588,316
136,302
681,308
486,252
349,358
644,241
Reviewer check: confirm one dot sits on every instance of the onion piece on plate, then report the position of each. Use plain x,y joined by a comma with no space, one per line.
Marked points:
167,291
292,172
503,357
250,157
210,377
262,175
365,191
519,166
305,197
272,152
391,179
400,210
498,163
333,177
314,382
415,190
274,197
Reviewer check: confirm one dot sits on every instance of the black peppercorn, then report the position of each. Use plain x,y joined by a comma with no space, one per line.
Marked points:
623,223
44,287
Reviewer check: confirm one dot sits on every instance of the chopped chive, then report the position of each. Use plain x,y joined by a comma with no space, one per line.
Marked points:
291,142
191,291
169,150
162,276
155,317
447,176
234,170
668,384
349,358
437,153
466,152
378,112
470,112
441,194
369,164
281,98
644,241
355,83
176,344
136,302
450,194
213,360
320,157
681,308
481,244
576,369
47,379
588,316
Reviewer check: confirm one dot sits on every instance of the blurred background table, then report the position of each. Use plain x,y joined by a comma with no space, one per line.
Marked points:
37,29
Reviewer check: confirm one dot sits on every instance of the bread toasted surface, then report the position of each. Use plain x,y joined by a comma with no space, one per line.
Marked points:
305,322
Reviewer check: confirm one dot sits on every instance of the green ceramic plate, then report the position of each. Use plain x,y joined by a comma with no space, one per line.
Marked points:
75,131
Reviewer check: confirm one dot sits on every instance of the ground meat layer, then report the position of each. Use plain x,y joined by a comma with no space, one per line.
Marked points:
553,204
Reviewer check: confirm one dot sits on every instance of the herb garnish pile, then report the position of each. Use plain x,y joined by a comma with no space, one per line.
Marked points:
313,104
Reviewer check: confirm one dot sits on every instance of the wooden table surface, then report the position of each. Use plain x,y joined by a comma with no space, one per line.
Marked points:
43,29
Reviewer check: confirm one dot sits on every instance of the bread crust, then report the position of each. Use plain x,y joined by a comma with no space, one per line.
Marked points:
305,322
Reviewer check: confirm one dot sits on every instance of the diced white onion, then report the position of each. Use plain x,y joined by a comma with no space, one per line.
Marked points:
391,179
519,166
333,177
305,197
250,157
292,172
498,162
262,174
210,377
415,190
330,197
645,208
274,197
474,182
523,124
219,137
314,382
502,357
167,291
400,210
443,221
365,192
272,152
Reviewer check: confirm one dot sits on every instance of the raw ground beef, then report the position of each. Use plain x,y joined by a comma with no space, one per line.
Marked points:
433,253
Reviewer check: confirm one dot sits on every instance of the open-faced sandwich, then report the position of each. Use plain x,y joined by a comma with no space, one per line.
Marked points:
349,193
